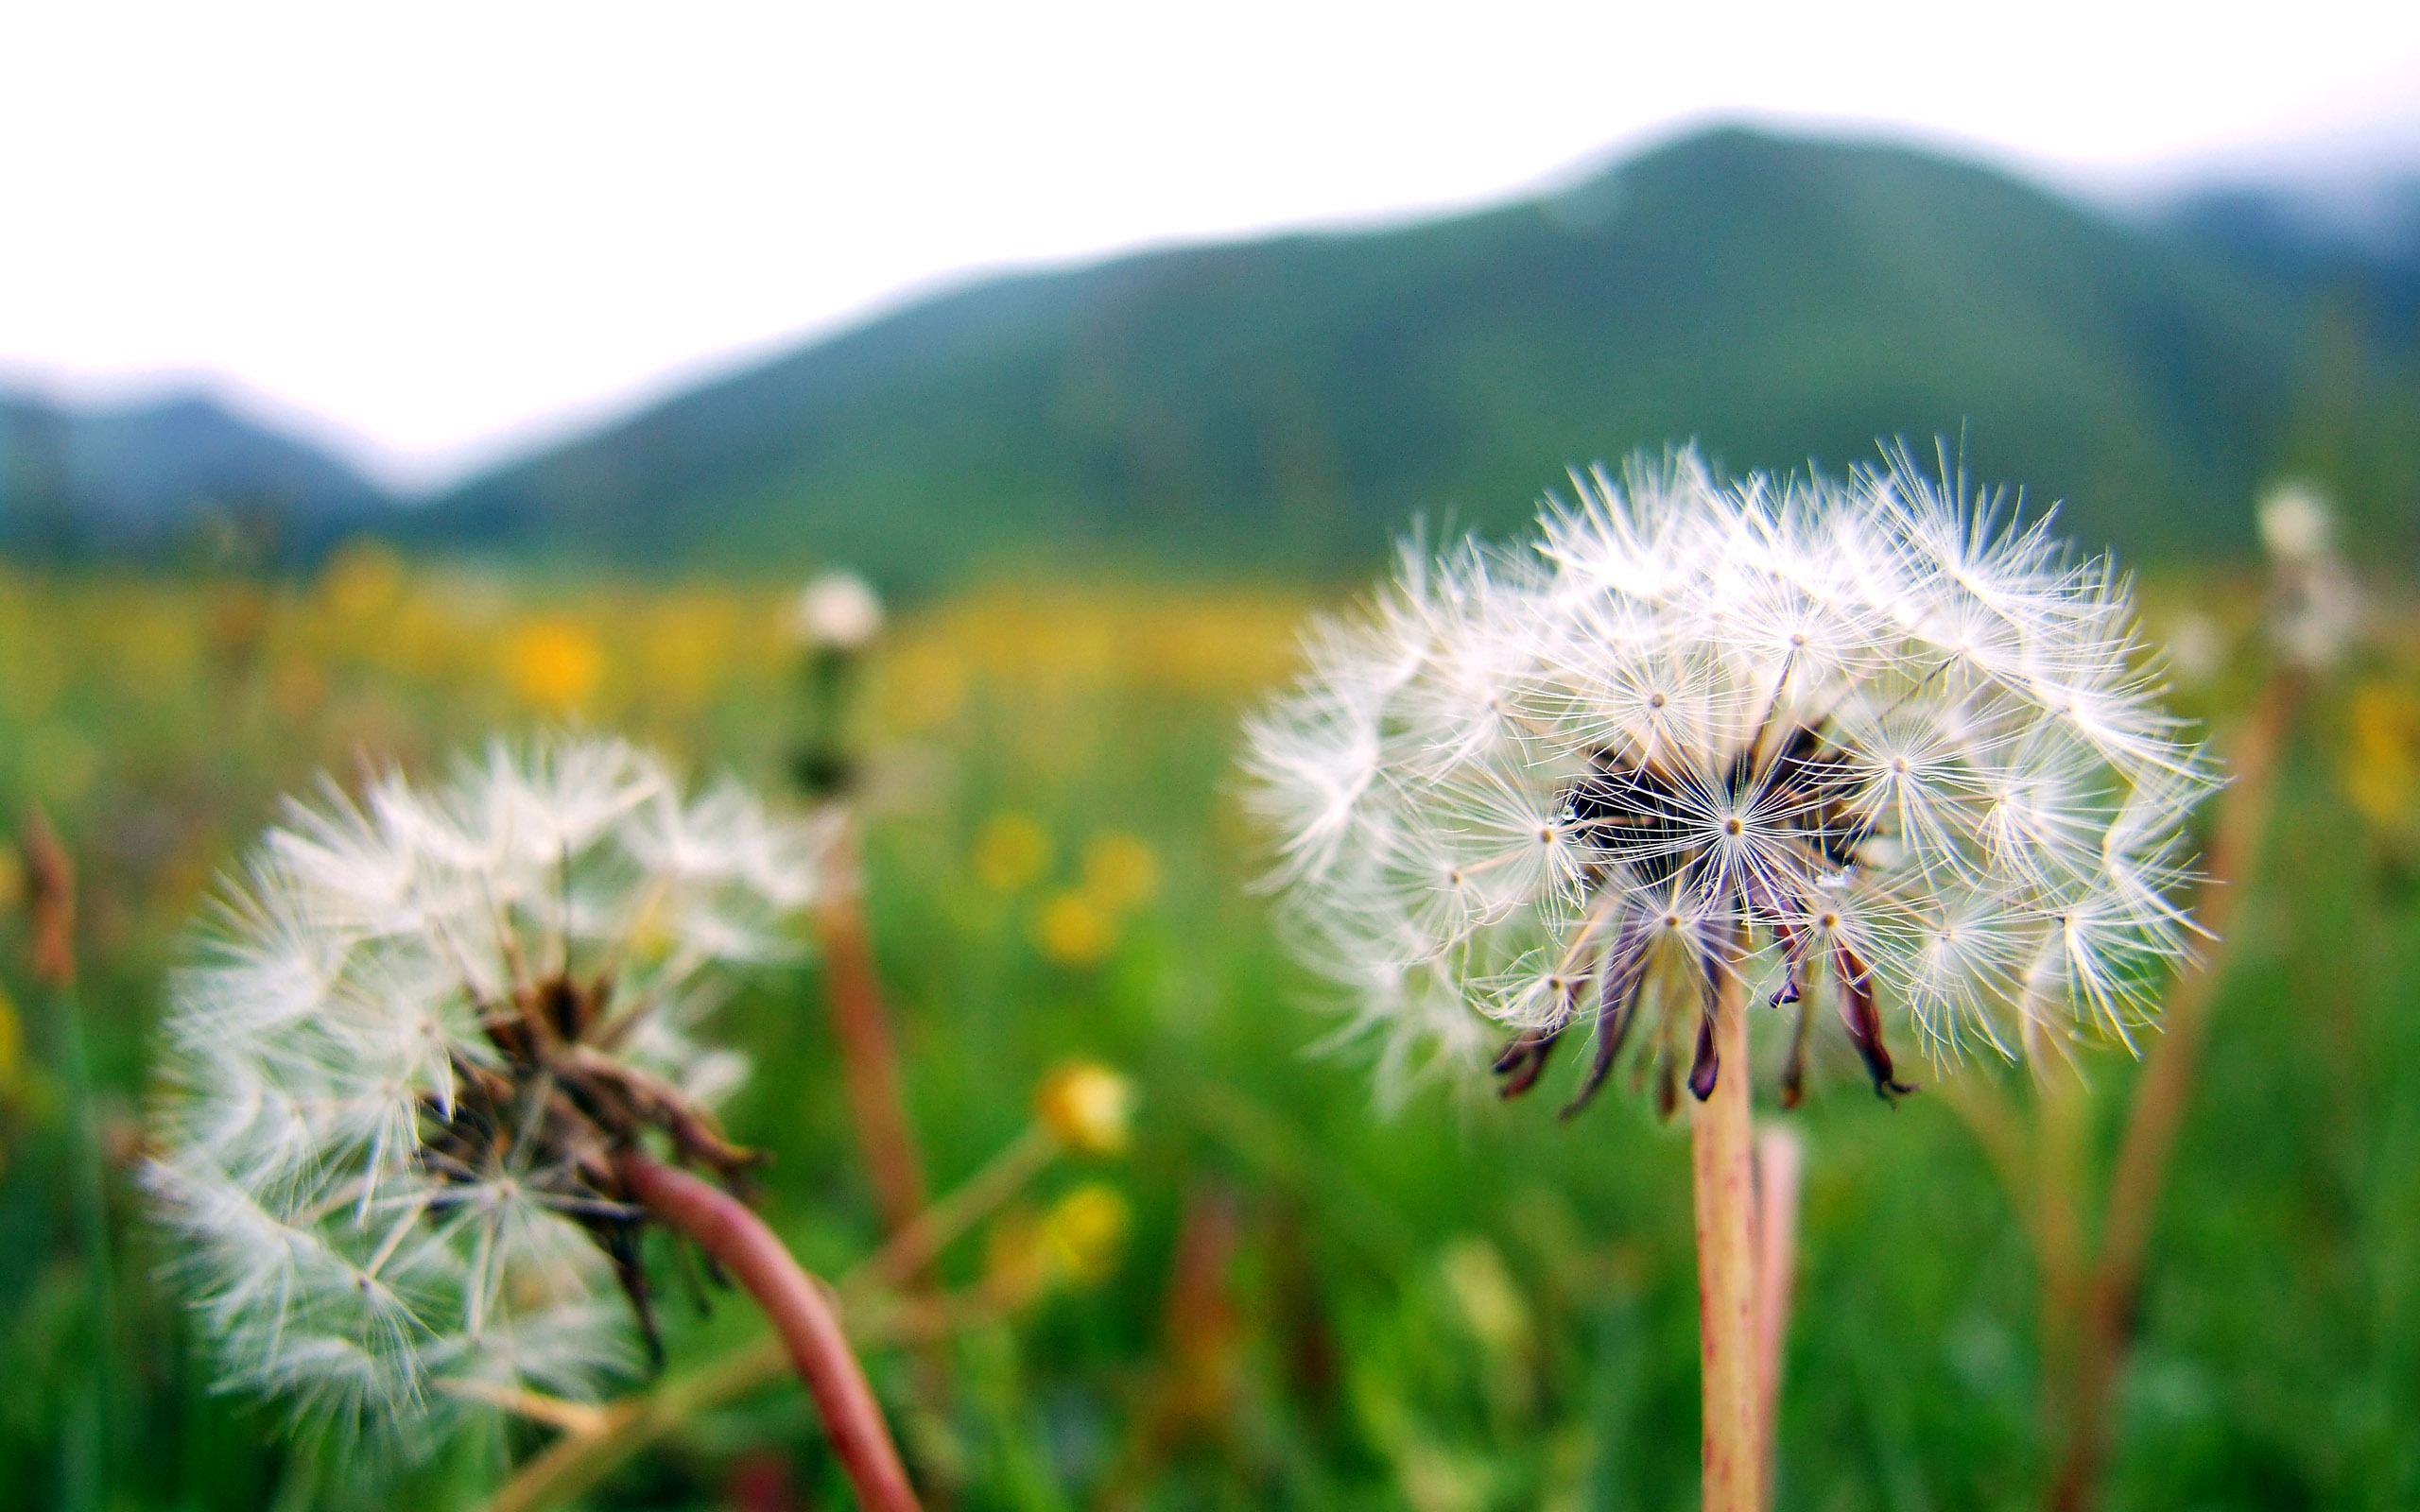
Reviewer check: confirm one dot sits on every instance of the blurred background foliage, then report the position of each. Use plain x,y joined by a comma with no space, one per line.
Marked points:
1278,1297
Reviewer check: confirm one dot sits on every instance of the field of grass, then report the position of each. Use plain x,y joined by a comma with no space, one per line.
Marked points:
1281,1295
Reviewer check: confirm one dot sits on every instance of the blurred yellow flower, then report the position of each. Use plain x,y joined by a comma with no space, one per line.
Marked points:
1120,871
362,580
1089,1107
687,647
1010,851
1086,1230
158,650
555,663
2382,757
1073,932
923,687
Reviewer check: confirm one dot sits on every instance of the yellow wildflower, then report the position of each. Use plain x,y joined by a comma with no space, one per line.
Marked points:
1120,871
1010,851
1089,1107
2382,758
1073,932
555,663
924,687
1084,1231
362,580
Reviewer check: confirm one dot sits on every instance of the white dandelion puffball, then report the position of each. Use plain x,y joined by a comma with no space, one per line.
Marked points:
1851,741
2295,521
416,1032
838,610
2315,608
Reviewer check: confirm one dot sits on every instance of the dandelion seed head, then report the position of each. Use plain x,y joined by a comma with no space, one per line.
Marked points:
1874,740
413,1031
2315,610
839,611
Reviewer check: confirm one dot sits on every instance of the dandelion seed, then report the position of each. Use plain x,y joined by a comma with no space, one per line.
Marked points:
418,1031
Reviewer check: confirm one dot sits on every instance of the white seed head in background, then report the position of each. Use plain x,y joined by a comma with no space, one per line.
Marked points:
838,610
2315,610
1854,739
413,1032
2295,523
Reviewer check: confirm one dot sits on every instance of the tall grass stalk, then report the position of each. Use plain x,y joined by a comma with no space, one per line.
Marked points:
2108,1297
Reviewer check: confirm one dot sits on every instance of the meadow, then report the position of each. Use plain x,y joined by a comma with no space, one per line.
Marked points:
1283,1294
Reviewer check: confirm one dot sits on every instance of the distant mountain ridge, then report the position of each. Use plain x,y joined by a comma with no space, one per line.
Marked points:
1287,405
2359,237
1290,404
137,479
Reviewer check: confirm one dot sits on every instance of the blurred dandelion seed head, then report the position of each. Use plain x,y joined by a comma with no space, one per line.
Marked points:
836,612
2296,523
415,1032
1860,741
2316,610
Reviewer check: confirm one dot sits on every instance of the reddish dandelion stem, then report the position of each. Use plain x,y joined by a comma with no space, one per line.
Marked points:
801,1312
870,1061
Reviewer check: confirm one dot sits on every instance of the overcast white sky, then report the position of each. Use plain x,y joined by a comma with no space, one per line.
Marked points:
429,232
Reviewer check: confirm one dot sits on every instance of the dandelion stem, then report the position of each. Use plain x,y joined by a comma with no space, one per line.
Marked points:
801,1312
579,1461
1722,1170
870,1065
869,1055
574,1463
576,1418
1779,1161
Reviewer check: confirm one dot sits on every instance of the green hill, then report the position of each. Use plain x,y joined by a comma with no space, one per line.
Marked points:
1287,404
145,480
